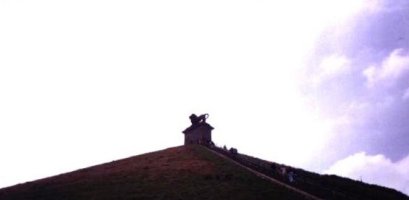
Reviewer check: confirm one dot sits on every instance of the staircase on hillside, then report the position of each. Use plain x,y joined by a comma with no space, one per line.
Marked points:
320,186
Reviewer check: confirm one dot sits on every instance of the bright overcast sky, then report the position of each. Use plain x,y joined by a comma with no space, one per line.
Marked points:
321,85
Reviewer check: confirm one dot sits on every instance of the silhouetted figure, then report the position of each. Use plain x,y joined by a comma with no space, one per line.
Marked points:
233,151
291,176
273,168
283,171
211,144
198,119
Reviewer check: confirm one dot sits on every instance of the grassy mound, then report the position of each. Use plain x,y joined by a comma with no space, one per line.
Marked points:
187,172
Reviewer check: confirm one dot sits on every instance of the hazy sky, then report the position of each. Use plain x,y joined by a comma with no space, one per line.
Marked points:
322,85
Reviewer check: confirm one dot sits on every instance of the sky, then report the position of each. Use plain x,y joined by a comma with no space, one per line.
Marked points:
322,85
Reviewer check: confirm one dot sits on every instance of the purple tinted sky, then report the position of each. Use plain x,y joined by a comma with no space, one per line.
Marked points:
369,98
379,113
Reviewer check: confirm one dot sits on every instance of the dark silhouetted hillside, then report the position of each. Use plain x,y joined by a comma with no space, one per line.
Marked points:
190,172
187,172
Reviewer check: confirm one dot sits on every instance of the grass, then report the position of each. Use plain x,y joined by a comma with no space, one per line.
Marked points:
191,173
187,172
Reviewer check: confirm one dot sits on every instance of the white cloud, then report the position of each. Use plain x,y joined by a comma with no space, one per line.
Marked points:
375,169
391,68
331,66
334,64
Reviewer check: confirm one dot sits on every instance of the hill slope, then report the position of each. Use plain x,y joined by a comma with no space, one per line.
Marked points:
187,172
321,186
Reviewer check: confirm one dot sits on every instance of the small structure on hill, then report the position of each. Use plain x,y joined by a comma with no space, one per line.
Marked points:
200,132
